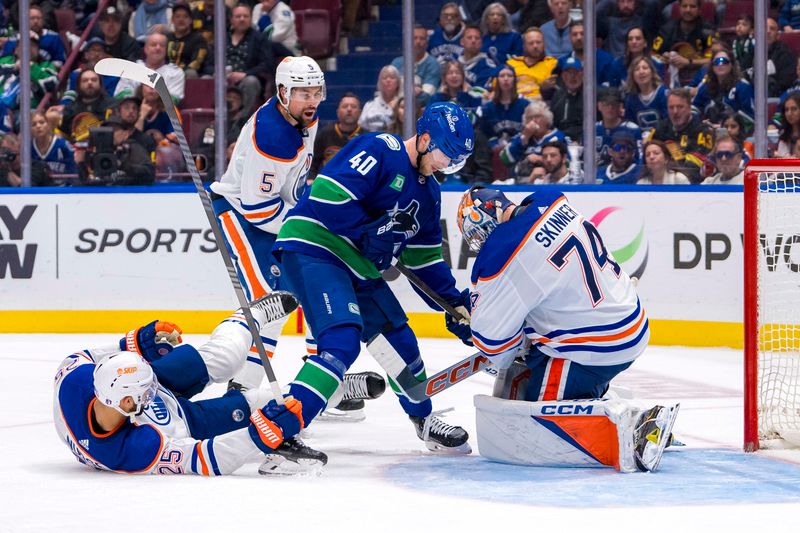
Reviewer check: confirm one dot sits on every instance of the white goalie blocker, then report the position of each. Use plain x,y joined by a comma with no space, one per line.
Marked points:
569,433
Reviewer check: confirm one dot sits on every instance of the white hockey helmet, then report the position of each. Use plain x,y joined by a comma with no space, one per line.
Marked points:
295,72
125,374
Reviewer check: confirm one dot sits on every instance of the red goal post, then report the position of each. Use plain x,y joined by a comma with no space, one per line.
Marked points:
771,304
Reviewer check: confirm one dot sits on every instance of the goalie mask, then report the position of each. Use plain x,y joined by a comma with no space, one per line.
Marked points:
477,218
125,374
296,72
451,133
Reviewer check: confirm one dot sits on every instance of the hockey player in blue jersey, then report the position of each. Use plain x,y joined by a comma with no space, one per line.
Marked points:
544,288
126,407
375,201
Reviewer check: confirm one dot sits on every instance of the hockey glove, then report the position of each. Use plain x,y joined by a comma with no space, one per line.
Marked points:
153,341
377,242
272,424
460,327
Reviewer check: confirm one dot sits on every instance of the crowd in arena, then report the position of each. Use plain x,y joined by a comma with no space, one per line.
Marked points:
675,102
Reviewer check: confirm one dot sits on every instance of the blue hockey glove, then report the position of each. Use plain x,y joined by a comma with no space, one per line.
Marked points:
460,327
377,242
153,341
273,423
490,201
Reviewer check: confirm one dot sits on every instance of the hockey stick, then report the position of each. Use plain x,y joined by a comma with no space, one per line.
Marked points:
140,73
421,285
422,390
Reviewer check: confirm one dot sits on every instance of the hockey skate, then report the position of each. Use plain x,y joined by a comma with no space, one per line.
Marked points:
357,388
293,458
276,305
439,436
652,434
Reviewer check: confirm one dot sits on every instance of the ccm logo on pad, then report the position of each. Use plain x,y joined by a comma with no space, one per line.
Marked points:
566,409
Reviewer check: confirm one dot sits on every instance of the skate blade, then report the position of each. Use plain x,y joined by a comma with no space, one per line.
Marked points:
278,466
350,417
666,431
464,449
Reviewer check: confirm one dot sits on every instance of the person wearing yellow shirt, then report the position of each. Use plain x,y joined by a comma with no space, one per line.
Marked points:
534,69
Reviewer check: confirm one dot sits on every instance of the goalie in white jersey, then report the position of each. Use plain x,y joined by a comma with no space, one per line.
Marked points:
265,178
544,288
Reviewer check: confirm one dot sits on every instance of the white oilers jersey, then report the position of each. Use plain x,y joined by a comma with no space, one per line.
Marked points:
546,277
156,442
269,167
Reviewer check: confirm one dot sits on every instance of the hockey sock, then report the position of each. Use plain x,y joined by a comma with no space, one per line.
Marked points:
404,342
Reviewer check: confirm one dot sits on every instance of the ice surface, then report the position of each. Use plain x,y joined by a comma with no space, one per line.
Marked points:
381,478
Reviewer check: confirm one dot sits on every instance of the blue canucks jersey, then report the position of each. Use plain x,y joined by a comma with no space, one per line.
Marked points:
647,111
444,49
604,136
502,46
500,122
59,156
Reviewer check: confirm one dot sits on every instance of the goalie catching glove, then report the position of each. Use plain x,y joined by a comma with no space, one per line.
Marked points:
273,423
153,341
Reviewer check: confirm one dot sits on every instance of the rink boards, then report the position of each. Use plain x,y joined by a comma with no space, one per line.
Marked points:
104,260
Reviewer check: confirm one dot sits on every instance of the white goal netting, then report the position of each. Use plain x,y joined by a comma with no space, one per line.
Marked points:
778,304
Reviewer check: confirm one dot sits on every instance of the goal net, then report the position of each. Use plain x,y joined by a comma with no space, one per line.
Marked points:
772,304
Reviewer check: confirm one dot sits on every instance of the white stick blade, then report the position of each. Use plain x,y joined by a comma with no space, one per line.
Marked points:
112,66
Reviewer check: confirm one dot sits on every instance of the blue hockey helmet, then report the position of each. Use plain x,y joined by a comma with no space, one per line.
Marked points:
451,132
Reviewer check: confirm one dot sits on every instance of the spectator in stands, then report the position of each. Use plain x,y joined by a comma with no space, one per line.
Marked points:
728,159
93,50
51,49
555,164
187,49
789,16
556,31
249,58
636,46
645,94
155,57
425,66
744,45
128,110
89,108
736,127
479,69
616,17
333,137
688,139
455,89
501,117
11,167
612,112
134,166
500,41
622,168
478,168
118,43
685,44
236,116
398,115
534,69
153,119
43,77
377,113
724,90
531,14
525,148
781,62
660,168
445,41
49,148
790,125
566,101
604,62
203,18
275,20
150,16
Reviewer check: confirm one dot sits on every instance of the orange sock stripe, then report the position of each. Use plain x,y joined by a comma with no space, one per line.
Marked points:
245,262
553,380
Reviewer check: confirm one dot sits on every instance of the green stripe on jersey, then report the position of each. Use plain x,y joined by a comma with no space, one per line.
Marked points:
318,379
414,257
315,234
328,191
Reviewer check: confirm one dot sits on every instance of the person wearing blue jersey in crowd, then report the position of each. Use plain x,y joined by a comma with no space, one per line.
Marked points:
501,117
645,94
51,48
636,46
724,90
525,148
622,168
455,89
789,16
445,42
375,201
606,73
612,112
425,66
479,69
500,41
556,31
48,147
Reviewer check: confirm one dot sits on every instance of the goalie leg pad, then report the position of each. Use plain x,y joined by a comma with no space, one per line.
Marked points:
586,433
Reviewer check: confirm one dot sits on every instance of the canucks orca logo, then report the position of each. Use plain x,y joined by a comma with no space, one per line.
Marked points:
157,411
405,221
